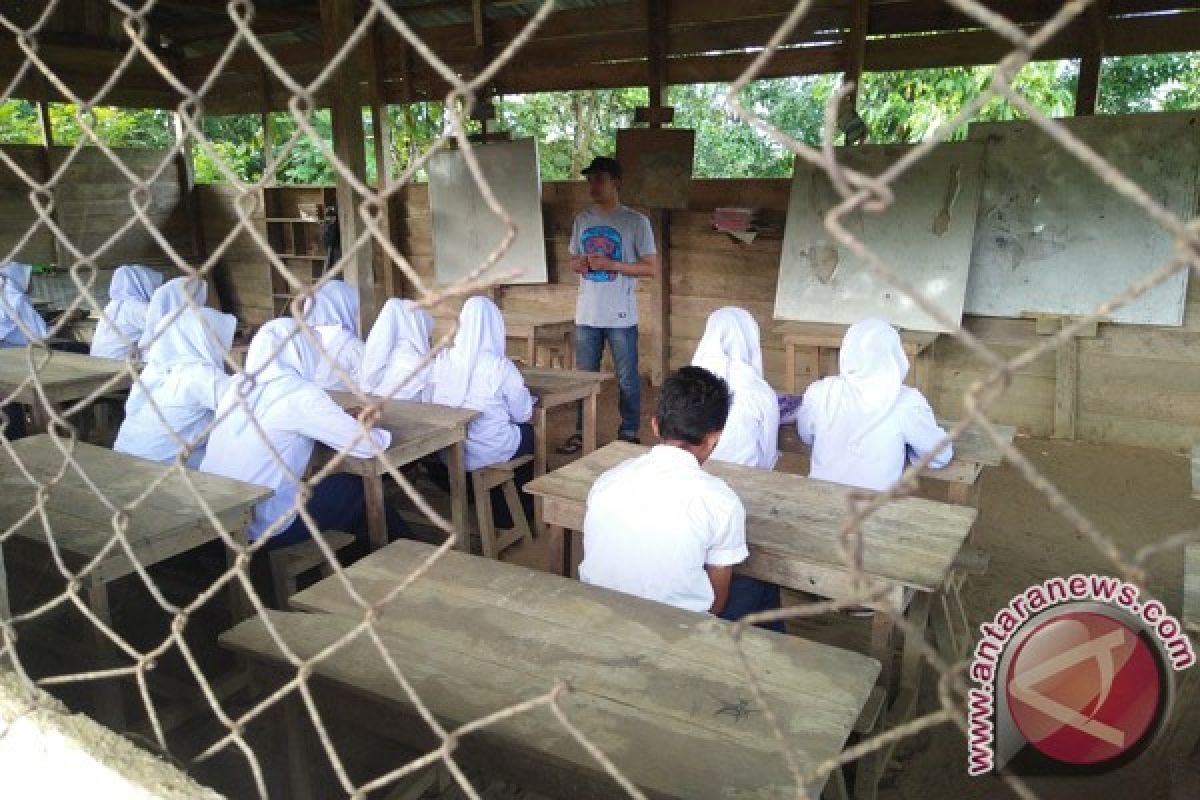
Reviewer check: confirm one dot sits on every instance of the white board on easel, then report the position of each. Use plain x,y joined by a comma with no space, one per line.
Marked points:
925,235
466,230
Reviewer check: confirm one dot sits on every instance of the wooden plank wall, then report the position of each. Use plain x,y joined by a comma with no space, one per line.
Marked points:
1138,385
243,274
93,205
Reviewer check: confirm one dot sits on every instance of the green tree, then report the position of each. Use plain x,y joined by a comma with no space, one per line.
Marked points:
19,123
1166,82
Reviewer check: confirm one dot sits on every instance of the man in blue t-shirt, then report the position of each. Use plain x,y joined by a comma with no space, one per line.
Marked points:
611,247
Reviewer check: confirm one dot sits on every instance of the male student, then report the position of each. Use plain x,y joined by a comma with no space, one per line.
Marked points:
660,527
611,247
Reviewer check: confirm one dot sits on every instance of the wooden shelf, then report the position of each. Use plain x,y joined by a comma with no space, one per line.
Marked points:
294,219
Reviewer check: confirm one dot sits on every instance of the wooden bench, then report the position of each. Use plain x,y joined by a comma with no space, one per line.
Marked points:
289,563
660,691
483,481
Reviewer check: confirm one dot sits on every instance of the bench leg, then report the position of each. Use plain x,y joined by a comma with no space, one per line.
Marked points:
483,514
517,511
296,722
560,550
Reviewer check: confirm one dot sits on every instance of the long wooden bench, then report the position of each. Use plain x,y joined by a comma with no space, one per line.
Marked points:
660,691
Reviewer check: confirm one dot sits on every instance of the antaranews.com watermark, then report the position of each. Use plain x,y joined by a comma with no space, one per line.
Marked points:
1074,674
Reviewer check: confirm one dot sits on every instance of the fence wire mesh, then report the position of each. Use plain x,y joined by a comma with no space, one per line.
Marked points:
138,660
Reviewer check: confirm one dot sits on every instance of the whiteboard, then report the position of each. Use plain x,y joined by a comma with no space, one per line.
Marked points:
1053,238
466,230
925,235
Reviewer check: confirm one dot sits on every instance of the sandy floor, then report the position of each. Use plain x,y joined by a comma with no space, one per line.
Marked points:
1135,496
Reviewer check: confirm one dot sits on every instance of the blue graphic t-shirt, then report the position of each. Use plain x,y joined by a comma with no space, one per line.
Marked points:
606,299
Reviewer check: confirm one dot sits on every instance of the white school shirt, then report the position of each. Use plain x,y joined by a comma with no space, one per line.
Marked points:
654,522
16,309
293,424
498,392
124,318
187,398
730,349
340,349
751,435
876,462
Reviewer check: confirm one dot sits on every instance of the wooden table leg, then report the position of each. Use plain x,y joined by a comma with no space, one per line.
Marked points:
296,723
40,416
789,365
883,631
560,550
376,515
958,493
533,347
818,357
5,608
110,708
924,370
589,422
457,463
569,344
540,432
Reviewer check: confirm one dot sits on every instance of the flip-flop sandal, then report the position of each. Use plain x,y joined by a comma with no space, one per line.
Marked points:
571,446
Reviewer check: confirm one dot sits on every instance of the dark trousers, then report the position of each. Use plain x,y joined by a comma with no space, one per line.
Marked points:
749,596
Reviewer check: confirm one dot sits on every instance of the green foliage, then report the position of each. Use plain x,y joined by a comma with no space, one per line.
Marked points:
571,127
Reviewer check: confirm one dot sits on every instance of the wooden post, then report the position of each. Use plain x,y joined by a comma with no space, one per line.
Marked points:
346,103
187,197
1095,42
849,121
268,129
47,159
656,47
382,135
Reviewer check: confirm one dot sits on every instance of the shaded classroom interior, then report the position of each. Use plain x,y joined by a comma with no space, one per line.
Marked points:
491,665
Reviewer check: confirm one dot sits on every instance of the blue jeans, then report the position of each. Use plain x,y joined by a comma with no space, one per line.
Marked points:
623,342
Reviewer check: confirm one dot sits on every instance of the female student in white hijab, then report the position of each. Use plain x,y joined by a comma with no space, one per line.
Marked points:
730,349
396,346
18,322
165,302
476,374
865,423
124,318
333,312
294,414
184,378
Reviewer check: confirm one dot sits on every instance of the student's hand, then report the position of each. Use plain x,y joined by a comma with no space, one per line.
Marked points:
603,263
579,264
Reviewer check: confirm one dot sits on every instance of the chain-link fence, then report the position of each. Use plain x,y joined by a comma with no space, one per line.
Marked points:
64,471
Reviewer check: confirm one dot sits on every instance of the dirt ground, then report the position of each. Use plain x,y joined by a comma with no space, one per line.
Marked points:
1136,496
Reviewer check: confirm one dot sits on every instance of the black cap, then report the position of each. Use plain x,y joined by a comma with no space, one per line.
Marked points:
604,164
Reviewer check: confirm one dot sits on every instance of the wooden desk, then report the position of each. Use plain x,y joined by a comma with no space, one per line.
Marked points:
554,329
793,525
557,387
973,450
1191,587
815,338
418,430
64,377
661,691
168,519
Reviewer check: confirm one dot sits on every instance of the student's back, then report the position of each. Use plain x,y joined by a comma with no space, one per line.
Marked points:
476,374
332,311
730,349
124,319
675,516
864,424
396,348
182,383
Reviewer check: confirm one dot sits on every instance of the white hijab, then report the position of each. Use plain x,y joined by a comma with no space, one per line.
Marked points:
198,336
872,367
398,341
172,295
280,360
15,305
132,283
333,304
730,347
478,351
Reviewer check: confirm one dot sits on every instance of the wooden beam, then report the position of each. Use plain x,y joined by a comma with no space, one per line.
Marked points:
1088,87
382,135
47,163
856,48
656,54
346,103
187,196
